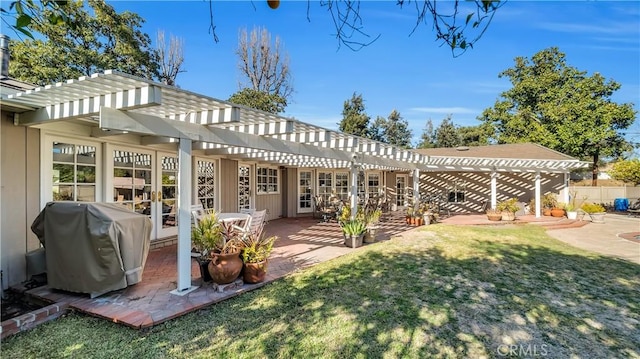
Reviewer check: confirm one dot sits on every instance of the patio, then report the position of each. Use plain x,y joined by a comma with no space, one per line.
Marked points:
303,241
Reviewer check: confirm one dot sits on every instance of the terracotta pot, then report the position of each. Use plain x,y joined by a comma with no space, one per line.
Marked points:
254,272
494,216
508,216
225,268
408,219
557,212
546,211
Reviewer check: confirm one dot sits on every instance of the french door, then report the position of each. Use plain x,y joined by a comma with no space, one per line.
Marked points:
401,190
147,183
305,191
244,187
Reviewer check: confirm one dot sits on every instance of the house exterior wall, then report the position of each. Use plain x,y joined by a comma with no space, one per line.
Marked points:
292,190
228,185
272,203
20,196
477,187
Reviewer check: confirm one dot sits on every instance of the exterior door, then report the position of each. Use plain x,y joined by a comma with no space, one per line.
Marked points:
401,189
244,187
305,191
146,182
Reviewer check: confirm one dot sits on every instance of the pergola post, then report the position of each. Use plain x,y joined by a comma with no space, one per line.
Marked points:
537,194
416,184
494,194
565,190
354,190
184,219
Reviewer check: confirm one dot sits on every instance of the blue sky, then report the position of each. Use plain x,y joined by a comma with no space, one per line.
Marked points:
403,71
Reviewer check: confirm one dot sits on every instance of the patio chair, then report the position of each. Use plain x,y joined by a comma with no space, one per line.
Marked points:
634,208
258,220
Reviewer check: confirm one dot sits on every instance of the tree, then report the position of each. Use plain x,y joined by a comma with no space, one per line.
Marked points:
428,137
355,120
170,58
447,134
104,40
376,130
259,100
474,135
396,130
562,108
265,65
626,171
452,22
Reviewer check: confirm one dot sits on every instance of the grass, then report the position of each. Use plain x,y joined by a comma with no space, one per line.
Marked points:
445,292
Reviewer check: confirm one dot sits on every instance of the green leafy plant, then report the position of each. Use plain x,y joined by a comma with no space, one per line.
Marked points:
592,208
354,227
372,217
257,249
549,200
206,237
509,205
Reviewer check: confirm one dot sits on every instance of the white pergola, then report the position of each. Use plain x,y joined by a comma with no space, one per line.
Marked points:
115,103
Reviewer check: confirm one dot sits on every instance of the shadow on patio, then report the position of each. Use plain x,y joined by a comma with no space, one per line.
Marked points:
302,242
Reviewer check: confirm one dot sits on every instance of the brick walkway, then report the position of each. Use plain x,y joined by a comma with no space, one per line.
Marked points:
302,242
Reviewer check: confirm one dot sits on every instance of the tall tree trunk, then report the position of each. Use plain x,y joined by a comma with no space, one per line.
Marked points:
594,173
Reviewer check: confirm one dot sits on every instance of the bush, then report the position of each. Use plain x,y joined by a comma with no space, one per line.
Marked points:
593,208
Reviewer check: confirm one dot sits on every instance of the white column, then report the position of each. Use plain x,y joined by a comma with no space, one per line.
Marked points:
184,219
565,190
354,191
494,192
538,198
416,184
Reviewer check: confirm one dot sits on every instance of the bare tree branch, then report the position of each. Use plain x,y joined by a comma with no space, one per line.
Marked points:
170,59
264,64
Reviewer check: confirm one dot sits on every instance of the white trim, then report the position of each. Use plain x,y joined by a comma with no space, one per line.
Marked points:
278,180
299,194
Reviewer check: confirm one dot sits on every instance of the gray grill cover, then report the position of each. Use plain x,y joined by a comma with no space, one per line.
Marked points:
92,248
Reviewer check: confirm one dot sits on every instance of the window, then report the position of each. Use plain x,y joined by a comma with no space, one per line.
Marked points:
456,191
267,180
373,185
342,185
325,184
74,172
206,183
132,180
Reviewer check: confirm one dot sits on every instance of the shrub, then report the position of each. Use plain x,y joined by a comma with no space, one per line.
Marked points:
592,208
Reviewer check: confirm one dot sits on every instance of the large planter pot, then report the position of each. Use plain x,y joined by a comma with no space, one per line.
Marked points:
546,211
597,217
254,272
225,268
353,241
494,216
557,212
508,216
572,214
370,235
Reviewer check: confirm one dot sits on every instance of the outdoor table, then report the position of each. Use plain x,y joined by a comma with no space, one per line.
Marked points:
236,218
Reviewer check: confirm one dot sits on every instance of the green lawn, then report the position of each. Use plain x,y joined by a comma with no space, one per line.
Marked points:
444,292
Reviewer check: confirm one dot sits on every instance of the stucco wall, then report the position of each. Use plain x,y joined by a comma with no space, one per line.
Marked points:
20,196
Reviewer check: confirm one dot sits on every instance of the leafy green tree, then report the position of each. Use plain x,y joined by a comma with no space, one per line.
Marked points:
626,171
562,108
96,42
355,120
376,131
259,100
475,135
396,130
428,137
447,134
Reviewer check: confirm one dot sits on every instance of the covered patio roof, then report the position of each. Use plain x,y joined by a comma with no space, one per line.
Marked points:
116,103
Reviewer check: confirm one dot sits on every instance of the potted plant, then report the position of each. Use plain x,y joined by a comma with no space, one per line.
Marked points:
353,231
255,254
549,202
409,215
372,218
204,238
226,264
572,212
494,214
596,211
508,209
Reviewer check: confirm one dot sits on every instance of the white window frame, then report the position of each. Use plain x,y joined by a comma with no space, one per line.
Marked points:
46,165
269,175
216,181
